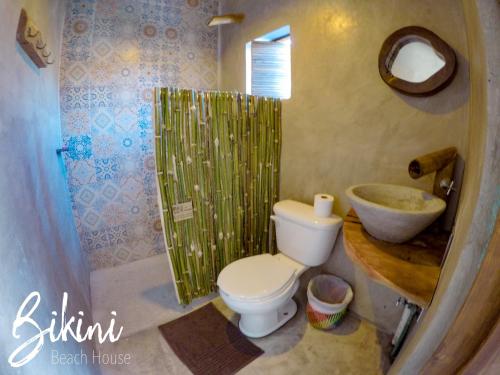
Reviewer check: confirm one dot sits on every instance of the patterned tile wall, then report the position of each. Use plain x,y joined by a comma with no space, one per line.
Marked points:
114,52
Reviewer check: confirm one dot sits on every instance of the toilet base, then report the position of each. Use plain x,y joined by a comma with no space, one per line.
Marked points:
260,325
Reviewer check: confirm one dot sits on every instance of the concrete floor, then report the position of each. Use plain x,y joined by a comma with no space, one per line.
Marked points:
142,295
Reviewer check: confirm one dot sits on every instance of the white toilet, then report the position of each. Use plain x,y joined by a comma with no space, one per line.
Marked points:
260,288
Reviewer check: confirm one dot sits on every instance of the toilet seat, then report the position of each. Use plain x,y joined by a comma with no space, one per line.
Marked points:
256,278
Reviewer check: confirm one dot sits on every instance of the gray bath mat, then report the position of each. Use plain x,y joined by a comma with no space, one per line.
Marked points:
208,343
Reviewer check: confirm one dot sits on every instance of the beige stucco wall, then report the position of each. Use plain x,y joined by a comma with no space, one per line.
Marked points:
39,245
480,197
343,125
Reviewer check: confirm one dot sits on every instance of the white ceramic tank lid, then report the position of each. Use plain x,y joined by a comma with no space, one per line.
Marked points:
255,277
304,214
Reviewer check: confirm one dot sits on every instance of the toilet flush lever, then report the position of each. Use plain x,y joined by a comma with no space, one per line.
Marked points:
275,219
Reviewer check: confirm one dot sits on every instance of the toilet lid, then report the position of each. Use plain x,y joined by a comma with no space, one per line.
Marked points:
255,277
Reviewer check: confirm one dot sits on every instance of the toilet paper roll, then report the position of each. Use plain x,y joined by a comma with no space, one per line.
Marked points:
323,204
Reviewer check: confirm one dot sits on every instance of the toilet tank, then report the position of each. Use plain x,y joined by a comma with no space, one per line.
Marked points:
301,235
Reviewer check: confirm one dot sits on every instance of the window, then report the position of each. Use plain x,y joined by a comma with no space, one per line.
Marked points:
268,67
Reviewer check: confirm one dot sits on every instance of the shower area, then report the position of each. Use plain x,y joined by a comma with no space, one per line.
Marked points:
113,54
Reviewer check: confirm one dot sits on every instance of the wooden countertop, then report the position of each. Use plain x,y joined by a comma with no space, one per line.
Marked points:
411,269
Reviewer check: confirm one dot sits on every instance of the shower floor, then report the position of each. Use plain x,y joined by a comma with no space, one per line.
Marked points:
142,294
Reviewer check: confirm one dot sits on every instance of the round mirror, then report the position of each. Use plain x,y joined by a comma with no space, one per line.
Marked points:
416,61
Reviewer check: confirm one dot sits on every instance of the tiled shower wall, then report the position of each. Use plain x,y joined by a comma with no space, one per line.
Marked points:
114,52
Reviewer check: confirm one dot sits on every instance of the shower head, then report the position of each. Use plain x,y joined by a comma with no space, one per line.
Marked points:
226,19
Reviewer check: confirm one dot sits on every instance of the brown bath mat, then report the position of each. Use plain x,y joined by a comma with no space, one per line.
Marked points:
208,343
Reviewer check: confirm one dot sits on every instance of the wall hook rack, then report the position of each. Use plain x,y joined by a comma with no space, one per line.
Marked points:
31,41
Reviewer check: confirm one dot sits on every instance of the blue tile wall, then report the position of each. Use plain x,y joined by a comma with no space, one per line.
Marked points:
114,52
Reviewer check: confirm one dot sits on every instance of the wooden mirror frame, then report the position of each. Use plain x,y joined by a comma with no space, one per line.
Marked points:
434,83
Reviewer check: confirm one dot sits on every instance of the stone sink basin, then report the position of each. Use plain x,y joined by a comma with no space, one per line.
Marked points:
394,213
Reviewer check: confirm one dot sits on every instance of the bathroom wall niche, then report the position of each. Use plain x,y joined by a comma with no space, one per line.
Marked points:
415,61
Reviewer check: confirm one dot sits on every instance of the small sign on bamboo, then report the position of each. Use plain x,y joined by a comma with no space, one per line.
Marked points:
182,211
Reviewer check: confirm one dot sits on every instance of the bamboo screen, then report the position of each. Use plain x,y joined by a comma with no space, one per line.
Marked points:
218,163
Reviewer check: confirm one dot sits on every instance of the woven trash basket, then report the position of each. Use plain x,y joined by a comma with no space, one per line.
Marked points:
328,297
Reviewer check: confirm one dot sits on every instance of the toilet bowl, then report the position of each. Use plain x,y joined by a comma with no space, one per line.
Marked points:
260,288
